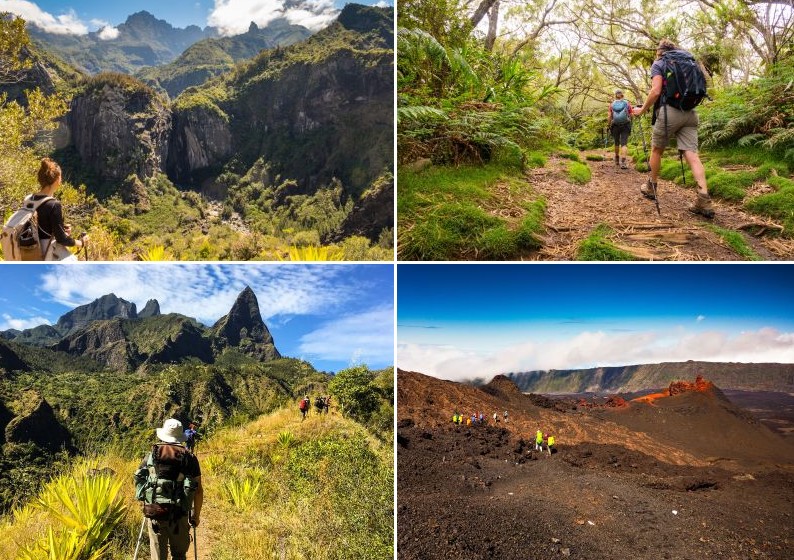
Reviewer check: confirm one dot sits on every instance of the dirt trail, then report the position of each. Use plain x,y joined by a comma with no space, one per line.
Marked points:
612,197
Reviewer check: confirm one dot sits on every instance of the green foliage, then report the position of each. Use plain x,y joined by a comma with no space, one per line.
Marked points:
535,159
88,510
442,217
778,205
594,157
759,113
23,136
597,247
731,185
345,474
579,172
356,393
242,494
736,241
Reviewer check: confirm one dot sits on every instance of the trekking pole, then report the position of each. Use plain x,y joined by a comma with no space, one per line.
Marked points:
648,163
681,159
195,544
138,544
85,247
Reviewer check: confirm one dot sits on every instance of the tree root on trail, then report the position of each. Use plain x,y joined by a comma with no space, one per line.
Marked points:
763,227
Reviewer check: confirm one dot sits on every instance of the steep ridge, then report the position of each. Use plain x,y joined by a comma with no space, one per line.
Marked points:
110,331
621,379
335,85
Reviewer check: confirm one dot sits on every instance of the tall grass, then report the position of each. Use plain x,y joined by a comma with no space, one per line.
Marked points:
273,488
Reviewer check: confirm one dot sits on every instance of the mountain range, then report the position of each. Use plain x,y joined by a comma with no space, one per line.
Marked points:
639,377
263,120
142,40
111,332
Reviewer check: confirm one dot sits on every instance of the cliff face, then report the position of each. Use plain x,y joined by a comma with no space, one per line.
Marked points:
315,110
201,139
748,377
104,342
120,128
106,307
371,214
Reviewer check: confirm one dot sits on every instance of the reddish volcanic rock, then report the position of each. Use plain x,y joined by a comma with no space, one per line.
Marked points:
700,385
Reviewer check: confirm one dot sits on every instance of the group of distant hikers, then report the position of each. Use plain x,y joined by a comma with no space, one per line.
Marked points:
678,85
541,439
322,404
475,418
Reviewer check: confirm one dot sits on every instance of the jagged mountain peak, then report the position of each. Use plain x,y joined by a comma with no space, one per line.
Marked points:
151,309
109,306
243,327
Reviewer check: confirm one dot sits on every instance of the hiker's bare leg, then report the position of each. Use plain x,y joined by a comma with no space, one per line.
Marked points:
656,162
698,171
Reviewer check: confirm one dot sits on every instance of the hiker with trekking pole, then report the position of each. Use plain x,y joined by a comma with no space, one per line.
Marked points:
37,231
678,85
168,483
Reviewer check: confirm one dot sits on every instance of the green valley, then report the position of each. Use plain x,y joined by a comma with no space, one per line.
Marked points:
279,148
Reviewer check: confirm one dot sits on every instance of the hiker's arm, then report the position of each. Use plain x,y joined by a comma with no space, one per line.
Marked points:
653,95
198,501
609,116
60,233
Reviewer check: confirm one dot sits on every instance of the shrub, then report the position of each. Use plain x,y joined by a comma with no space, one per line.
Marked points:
579,172
596,247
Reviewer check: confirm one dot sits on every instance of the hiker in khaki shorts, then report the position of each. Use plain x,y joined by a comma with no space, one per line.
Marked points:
672,122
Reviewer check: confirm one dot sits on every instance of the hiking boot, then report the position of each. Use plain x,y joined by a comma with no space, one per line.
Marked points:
623,164
703,206
647,189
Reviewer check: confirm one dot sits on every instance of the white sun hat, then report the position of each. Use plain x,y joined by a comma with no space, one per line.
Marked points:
172,431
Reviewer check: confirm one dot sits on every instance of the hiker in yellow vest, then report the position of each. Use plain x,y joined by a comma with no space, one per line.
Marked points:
551,443
539,441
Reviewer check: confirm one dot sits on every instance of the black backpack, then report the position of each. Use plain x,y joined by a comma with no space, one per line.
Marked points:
684,85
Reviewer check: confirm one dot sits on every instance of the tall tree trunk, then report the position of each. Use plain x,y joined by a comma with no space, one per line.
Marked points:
493,20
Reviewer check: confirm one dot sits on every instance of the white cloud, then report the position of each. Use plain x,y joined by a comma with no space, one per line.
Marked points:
9,322
108,33
206,292
64,24
590,349
383,4
354,338
700,318
233,17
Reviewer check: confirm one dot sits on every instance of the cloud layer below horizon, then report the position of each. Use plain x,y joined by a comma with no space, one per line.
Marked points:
599,348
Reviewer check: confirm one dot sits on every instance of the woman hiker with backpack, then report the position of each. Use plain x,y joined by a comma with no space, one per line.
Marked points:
678,86
619,122
54,234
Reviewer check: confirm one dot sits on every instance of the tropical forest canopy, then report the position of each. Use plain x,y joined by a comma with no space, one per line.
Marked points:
507,82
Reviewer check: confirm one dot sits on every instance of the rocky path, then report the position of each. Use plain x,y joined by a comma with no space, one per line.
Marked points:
612,197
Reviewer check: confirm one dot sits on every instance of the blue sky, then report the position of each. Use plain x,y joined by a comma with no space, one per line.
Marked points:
234,16
330,315
461,321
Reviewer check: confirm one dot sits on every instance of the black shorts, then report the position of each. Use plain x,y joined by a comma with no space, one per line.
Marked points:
621,132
